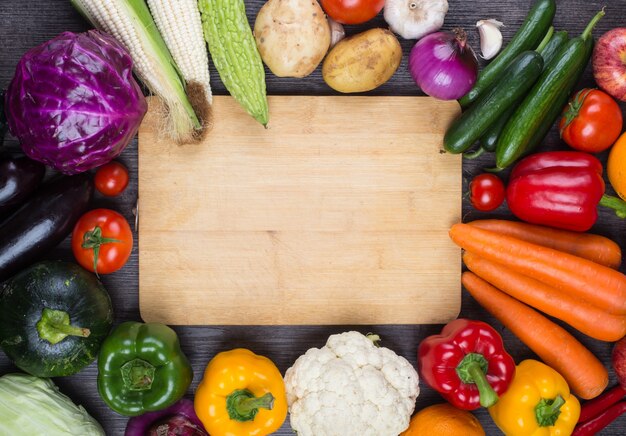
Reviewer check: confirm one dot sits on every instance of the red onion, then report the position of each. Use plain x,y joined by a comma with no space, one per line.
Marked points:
443,65
177,420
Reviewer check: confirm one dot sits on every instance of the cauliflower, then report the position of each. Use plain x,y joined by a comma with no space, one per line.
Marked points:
351,387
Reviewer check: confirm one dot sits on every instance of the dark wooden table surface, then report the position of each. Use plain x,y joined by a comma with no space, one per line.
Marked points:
27,23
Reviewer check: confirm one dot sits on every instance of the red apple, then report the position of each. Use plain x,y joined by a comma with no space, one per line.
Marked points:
609,63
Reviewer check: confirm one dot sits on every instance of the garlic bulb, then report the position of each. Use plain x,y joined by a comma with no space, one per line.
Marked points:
412,19
490,37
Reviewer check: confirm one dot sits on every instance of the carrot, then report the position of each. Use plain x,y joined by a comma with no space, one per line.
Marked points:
579,314
585,374
596,248
601,286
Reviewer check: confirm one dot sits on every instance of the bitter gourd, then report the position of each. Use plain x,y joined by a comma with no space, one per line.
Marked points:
235,54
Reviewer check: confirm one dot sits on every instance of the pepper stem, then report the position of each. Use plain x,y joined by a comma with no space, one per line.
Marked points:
547,411
243,406
587,32
138,375
472,370
617,204
54,326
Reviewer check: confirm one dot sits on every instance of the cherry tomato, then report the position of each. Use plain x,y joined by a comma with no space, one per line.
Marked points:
111,179
102,241
486,192
591,122
352,11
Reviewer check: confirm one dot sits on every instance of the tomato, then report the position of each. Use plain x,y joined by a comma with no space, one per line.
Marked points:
102,241
486,192
352,11
591,122
111,179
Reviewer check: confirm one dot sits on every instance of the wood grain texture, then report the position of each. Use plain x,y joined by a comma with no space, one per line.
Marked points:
27,23
315,220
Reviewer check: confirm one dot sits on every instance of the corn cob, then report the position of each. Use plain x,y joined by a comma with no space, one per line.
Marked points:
181,27
130,22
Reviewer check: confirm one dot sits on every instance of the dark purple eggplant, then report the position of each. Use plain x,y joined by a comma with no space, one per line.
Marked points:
19,177
43,222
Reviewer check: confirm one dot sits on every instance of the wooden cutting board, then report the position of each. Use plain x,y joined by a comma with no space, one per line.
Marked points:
338,213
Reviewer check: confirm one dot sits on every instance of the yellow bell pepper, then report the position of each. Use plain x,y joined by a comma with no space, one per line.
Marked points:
537,403
241,394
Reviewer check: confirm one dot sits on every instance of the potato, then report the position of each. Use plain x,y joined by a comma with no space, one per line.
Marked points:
292,35
362,62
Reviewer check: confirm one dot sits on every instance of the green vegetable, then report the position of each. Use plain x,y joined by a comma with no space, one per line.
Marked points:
235,54
34,406
489,140
53,318
141,368
527,37
553,47
542,106
521,76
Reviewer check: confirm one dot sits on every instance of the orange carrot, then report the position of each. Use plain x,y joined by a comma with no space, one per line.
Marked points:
578,313
601,286
596,248
585,374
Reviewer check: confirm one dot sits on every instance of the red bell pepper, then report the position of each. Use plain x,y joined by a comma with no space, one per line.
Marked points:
560,189
467,364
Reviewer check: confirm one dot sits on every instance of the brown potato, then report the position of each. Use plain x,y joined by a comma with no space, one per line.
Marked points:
362,62
292,35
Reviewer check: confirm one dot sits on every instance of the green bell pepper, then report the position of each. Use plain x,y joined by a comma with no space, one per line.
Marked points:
141,368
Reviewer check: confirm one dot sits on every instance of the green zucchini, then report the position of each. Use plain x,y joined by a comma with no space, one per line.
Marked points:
527,37
489,140
532,120
235,54
521,75
53,318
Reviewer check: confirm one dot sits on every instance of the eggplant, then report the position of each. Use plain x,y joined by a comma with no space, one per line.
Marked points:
43,222
19,178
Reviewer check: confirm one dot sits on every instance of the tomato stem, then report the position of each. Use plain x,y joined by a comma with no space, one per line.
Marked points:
93,240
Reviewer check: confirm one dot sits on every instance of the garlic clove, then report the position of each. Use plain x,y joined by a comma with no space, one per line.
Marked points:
490,37
337,32
413,19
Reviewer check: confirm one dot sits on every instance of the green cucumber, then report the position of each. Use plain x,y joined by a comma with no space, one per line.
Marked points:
235,54
553,47
489,140
532,120
521,75
533,29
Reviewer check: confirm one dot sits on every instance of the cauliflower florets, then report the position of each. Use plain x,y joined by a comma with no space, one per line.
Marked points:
351,387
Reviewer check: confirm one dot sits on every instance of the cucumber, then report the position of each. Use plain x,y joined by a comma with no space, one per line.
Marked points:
235,54
521,75
490,139
527,37
553,47
542,106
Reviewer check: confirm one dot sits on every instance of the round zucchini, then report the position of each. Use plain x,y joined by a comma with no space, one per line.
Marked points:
53,318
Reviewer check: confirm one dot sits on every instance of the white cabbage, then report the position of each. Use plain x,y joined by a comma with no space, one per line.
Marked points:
34,406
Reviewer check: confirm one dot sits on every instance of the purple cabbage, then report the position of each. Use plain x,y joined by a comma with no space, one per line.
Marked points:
73,103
